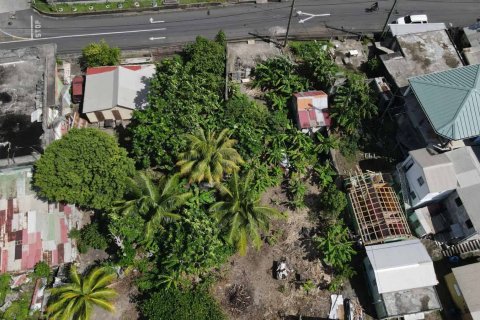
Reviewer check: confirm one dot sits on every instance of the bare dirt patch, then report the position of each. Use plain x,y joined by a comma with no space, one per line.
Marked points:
264,297
125,308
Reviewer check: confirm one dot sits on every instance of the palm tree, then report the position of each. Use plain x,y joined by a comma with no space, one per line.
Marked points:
240,214
76,300
156,204
209,157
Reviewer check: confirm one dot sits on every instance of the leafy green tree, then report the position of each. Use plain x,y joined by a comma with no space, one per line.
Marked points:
279,77
41,270
249,122
98,54
209,156
353,103
91,236
191,246
332,201
180,101
206,59
19,309
4,286
128,232
326,143
325,174
85,167
297,190
77,299
174,304
241,215
336,246
154,203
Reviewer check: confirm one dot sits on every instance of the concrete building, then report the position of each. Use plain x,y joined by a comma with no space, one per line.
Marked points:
441,192
32,230
311,110
464,289
470,42
401,279
27,99
112,93
417,52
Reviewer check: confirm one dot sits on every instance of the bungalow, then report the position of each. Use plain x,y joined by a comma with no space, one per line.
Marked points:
311,110
401,280
112,93
464,289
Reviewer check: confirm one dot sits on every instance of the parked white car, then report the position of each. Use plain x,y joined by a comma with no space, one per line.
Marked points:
414,18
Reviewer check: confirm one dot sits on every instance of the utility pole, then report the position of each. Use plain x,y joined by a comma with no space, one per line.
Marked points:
289,21
388,19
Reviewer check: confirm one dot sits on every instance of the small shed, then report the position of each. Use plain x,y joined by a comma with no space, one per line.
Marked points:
311,109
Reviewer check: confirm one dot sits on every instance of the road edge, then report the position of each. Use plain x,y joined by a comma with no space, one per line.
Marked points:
193,6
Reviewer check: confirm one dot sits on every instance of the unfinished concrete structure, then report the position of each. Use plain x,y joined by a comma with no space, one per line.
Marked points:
376,209
242,57
27,98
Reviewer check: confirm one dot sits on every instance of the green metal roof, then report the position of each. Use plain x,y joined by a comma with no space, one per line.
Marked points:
451,101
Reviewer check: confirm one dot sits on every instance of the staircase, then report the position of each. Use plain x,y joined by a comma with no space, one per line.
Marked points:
463,247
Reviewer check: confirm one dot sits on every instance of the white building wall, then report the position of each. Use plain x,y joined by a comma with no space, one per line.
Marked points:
422,192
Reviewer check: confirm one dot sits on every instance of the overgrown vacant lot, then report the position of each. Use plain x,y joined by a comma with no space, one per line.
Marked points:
269,298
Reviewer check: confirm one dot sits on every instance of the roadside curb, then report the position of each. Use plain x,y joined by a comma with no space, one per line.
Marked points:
173,7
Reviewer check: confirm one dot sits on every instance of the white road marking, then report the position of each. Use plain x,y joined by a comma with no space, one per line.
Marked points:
156,21
157,38
31,27
80,35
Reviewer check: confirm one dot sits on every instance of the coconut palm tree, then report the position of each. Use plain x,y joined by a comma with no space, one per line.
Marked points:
156,203
77,299
209,157
240,214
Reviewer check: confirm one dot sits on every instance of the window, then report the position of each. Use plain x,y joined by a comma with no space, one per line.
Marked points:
412,195
408,165
469,223
420,181
458,201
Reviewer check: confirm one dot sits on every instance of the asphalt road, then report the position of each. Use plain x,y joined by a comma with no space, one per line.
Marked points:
132,31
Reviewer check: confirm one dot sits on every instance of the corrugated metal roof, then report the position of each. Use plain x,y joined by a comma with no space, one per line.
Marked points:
116,86
467,279
451,101
401,265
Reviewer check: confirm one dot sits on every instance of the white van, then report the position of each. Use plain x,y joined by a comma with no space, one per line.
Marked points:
414,18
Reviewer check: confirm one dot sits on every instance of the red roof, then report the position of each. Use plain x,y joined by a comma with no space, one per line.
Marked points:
97,70
309,94
77,86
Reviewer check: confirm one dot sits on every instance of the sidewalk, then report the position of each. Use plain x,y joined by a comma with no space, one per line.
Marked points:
13,5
